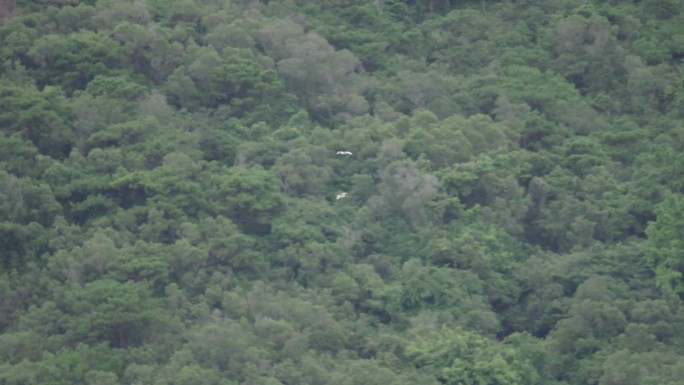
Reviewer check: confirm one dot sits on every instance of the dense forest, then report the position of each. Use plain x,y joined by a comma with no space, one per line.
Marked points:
515,194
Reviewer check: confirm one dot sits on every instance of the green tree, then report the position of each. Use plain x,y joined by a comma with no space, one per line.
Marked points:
328,82
41,117
664,246
72,61
113,312
303,171
250,197
462,357
586,52
235,79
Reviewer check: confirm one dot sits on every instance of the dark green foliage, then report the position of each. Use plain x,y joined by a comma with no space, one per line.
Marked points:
41,118
513,209
235,79
461,357
105,310
72,61
663,248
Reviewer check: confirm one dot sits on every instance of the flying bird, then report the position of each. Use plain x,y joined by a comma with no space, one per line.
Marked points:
343,152
341,195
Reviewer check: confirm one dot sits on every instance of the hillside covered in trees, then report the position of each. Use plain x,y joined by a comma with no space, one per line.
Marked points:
515,207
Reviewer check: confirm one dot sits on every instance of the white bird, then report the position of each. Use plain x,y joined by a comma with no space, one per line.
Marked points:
341,195
343,153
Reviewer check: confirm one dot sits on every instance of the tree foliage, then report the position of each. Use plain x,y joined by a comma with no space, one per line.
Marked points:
169,180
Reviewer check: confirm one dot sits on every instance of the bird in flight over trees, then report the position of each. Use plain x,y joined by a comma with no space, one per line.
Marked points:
343,152
341,195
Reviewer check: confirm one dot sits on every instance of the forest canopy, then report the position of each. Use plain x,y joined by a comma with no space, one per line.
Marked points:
171,207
